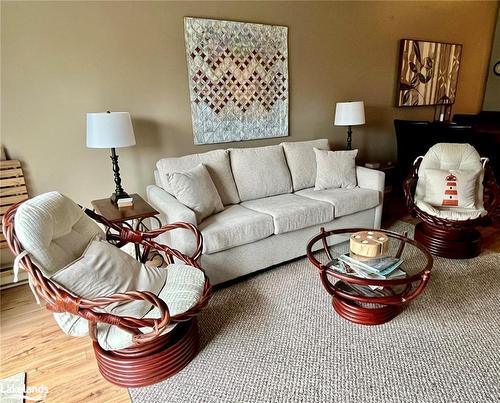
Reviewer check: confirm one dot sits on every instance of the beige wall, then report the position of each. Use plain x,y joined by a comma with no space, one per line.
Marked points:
61,60
492,93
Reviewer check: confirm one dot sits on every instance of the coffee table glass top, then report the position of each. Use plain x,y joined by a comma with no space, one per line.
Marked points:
410,261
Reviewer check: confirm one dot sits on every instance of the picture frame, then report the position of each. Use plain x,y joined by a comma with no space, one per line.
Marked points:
238,80
428,72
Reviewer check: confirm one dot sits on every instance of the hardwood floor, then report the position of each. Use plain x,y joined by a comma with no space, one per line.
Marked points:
32,342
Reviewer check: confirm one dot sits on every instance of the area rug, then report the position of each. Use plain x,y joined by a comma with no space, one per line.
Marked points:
275,338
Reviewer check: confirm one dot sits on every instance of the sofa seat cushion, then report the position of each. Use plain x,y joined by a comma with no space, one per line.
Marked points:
181,291
291,212
345,201
260,172
234,226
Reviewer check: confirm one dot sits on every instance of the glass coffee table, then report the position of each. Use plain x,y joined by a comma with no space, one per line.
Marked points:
369,301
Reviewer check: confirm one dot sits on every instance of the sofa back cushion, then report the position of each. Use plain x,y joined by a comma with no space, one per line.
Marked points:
217,164
260,172
302,161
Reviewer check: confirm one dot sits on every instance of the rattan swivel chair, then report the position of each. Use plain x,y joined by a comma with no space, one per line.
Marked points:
446,230
140,336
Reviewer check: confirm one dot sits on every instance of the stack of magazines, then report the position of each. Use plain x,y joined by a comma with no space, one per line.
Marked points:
379,268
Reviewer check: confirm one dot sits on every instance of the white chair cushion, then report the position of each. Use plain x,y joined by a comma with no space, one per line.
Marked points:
302,161
104,269
345,201
335,169
451,156
195,189
451,213
453,186
291,212
260,172
181,291
217,164
54,230
234,226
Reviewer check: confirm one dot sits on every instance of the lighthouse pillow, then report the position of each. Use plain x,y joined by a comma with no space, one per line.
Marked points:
451,188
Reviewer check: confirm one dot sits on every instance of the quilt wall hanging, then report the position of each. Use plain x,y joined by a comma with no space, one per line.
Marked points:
428,72
238,80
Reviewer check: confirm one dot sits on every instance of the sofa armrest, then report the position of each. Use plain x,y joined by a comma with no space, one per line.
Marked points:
375,180
370,179
172,211
169,207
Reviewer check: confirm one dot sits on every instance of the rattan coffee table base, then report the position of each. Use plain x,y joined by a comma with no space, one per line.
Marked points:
351,295
364,315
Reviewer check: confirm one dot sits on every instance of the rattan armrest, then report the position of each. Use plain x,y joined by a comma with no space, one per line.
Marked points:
125,235
409,185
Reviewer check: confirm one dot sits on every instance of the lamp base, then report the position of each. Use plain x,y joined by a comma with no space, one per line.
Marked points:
119,192
349,138
116,196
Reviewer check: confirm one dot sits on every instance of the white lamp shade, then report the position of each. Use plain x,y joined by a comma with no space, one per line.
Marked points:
109,130
350,113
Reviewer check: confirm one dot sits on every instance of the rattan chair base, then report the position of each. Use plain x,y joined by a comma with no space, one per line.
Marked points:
364,315
449,243
152,362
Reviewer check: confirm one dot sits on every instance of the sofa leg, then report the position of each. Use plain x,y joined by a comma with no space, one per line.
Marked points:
152,362
453,244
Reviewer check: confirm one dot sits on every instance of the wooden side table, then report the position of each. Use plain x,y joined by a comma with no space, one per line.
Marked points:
140,211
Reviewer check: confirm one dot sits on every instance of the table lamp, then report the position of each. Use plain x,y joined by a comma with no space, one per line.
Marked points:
111,130
349,114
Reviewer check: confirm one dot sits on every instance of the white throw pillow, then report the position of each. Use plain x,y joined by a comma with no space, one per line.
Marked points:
335,169
451,188
196,190
217,164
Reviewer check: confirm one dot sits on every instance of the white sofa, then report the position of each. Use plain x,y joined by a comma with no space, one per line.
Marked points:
271,209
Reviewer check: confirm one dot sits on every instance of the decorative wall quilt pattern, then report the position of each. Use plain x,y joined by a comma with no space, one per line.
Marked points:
428,72
238,80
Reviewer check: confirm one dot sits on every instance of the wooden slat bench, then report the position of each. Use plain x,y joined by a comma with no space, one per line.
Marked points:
12,190
12,187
